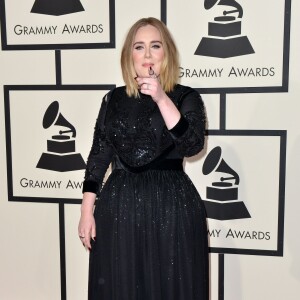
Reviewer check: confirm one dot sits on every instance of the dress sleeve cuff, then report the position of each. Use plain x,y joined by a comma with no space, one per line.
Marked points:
180,128
90,186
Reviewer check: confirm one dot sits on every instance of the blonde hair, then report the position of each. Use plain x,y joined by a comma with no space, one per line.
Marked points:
169,72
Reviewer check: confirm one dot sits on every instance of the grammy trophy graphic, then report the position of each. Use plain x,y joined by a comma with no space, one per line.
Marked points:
224,33
56,7
61,155
222,201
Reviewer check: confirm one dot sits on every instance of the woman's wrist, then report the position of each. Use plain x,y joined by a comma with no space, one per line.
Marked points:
163,100
88,202
169,112
86,210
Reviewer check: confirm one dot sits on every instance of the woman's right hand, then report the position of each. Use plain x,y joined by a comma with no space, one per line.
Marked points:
87,229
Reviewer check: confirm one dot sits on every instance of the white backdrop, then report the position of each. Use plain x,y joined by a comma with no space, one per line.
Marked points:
249,117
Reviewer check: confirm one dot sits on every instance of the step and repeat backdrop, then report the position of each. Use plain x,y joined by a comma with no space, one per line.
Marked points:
60,57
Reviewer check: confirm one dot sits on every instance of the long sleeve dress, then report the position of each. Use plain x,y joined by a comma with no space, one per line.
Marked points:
151,241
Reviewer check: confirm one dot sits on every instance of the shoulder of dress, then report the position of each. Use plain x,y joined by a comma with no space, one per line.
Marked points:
120,88
115,91
184,89
181,92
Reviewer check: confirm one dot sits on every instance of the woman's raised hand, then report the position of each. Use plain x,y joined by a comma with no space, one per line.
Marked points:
151,86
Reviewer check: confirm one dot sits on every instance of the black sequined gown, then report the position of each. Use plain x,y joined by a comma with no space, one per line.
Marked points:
151,239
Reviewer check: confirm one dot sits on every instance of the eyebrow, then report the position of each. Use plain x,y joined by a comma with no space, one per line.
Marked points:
152,42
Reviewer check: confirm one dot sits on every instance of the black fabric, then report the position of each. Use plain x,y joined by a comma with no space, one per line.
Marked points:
180,128
90,186
167,164
151,236
101,152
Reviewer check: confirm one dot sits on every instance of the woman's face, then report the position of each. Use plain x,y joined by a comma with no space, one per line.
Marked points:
147,51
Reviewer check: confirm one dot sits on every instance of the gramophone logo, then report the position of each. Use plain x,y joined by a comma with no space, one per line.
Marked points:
56,7
222,196
60,155
224,33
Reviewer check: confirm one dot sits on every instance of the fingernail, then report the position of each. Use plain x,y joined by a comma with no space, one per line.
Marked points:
151,72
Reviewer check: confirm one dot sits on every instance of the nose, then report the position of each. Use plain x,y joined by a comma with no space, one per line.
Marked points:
147,52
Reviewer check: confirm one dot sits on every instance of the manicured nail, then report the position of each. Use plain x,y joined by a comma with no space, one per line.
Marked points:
151,72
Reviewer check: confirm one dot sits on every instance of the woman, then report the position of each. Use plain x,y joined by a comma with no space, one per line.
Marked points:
150,221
